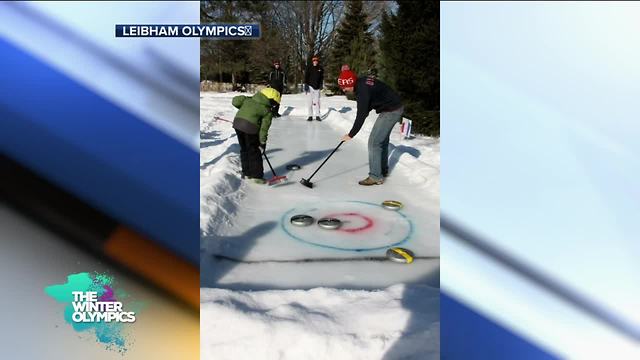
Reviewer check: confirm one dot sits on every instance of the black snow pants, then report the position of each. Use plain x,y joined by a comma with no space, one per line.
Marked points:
250,154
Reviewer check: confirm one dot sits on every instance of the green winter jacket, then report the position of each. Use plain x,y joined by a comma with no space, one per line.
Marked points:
254,115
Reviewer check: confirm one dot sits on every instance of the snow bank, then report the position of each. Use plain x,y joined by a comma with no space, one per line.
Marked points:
220,185
395,323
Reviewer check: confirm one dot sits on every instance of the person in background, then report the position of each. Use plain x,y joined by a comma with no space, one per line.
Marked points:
313,81
278,81
370,94
252,122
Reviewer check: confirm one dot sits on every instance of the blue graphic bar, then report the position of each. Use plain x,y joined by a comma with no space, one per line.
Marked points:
466,335
585,304
212,31
100,153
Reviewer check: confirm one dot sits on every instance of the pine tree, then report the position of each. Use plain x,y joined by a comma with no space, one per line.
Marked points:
238,61
410,46
361,58
389,54
352,45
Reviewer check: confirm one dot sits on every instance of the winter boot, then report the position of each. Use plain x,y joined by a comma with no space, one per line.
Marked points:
370,181
259,181
310,118
318,118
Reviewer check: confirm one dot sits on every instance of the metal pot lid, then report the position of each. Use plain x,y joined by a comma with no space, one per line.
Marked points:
301,220
293,167
392,205
329,223
400,255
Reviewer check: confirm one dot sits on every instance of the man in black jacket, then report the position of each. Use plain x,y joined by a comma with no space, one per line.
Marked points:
372,93
278,81
313,80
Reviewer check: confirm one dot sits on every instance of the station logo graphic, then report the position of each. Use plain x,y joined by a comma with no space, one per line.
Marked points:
97,309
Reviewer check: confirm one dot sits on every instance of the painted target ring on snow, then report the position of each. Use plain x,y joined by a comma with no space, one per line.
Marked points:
364,226
368,221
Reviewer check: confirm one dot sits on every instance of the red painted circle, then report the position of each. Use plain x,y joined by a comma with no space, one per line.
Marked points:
368,220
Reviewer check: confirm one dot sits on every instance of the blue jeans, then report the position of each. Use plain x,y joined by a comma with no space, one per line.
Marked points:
379,143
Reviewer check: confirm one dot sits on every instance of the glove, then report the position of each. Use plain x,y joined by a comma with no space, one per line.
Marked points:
306,88
274,110
263,147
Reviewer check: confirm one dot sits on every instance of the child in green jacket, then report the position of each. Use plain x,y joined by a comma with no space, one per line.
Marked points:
252,124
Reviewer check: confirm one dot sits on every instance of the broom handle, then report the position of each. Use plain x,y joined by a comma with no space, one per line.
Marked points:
268,162
325,160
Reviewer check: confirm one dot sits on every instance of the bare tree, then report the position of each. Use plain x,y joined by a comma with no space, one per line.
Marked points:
292,31
231,56
308,28
374,10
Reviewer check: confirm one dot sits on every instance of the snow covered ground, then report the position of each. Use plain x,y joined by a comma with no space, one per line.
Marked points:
265,282
320,323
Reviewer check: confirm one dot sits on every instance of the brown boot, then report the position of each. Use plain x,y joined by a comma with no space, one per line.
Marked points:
370,181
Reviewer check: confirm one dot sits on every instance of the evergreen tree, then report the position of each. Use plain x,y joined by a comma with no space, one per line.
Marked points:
410,46
352,45
361,58
389,54
238,61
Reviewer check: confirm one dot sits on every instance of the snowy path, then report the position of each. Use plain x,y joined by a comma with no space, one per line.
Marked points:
255,247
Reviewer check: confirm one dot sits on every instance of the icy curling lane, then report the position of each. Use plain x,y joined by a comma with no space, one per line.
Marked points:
247,239
365,226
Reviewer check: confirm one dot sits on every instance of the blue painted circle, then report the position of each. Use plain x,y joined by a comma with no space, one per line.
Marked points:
286,215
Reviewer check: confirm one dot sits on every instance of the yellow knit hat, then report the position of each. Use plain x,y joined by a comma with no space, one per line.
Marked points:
271,93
